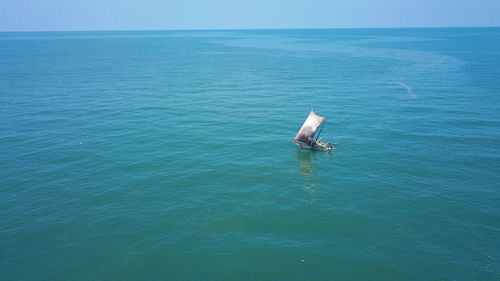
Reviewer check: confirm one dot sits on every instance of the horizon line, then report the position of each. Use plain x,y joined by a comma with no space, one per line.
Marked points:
249,29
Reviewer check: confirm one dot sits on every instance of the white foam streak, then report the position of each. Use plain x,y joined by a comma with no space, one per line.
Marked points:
408,88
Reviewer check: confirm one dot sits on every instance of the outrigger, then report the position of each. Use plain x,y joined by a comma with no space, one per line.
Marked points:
305,136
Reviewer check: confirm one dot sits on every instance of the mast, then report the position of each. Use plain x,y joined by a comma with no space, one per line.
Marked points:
320,129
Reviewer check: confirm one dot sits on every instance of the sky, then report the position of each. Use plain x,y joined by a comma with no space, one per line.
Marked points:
65,15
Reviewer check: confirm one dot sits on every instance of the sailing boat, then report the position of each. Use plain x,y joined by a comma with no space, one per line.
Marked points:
305,136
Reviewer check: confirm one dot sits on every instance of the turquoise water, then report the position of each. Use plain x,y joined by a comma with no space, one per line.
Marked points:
167,155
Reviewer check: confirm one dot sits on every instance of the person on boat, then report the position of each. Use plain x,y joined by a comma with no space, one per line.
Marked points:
320,143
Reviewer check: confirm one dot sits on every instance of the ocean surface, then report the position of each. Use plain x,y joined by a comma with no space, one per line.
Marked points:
167,155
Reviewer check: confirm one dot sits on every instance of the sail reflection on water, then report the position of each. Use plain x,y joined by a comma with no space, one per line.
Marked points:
306,169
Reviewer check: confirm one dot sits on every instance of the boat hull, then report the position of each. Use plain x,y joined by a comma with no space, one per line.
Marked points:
326,148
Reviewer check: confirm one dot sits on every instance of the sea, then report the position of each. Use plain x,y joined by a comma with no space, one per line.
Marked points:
167,155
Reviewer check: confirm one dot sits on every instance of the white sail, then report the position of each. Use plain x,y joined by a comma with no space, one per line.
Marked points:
309,128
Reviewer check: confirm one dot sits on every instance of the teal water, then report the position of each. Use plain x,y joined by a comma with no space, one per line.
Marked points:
167,155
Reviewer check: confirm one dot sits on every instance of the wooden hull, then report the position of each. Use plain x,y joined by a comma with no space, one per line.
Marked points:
315,147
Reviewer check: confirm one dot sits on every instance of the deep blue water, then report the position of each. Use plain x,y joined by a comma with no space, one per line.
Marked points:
167,155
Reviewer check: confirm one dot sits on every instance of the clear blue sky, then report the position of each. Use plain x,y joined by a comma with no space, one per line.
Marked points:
38,15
